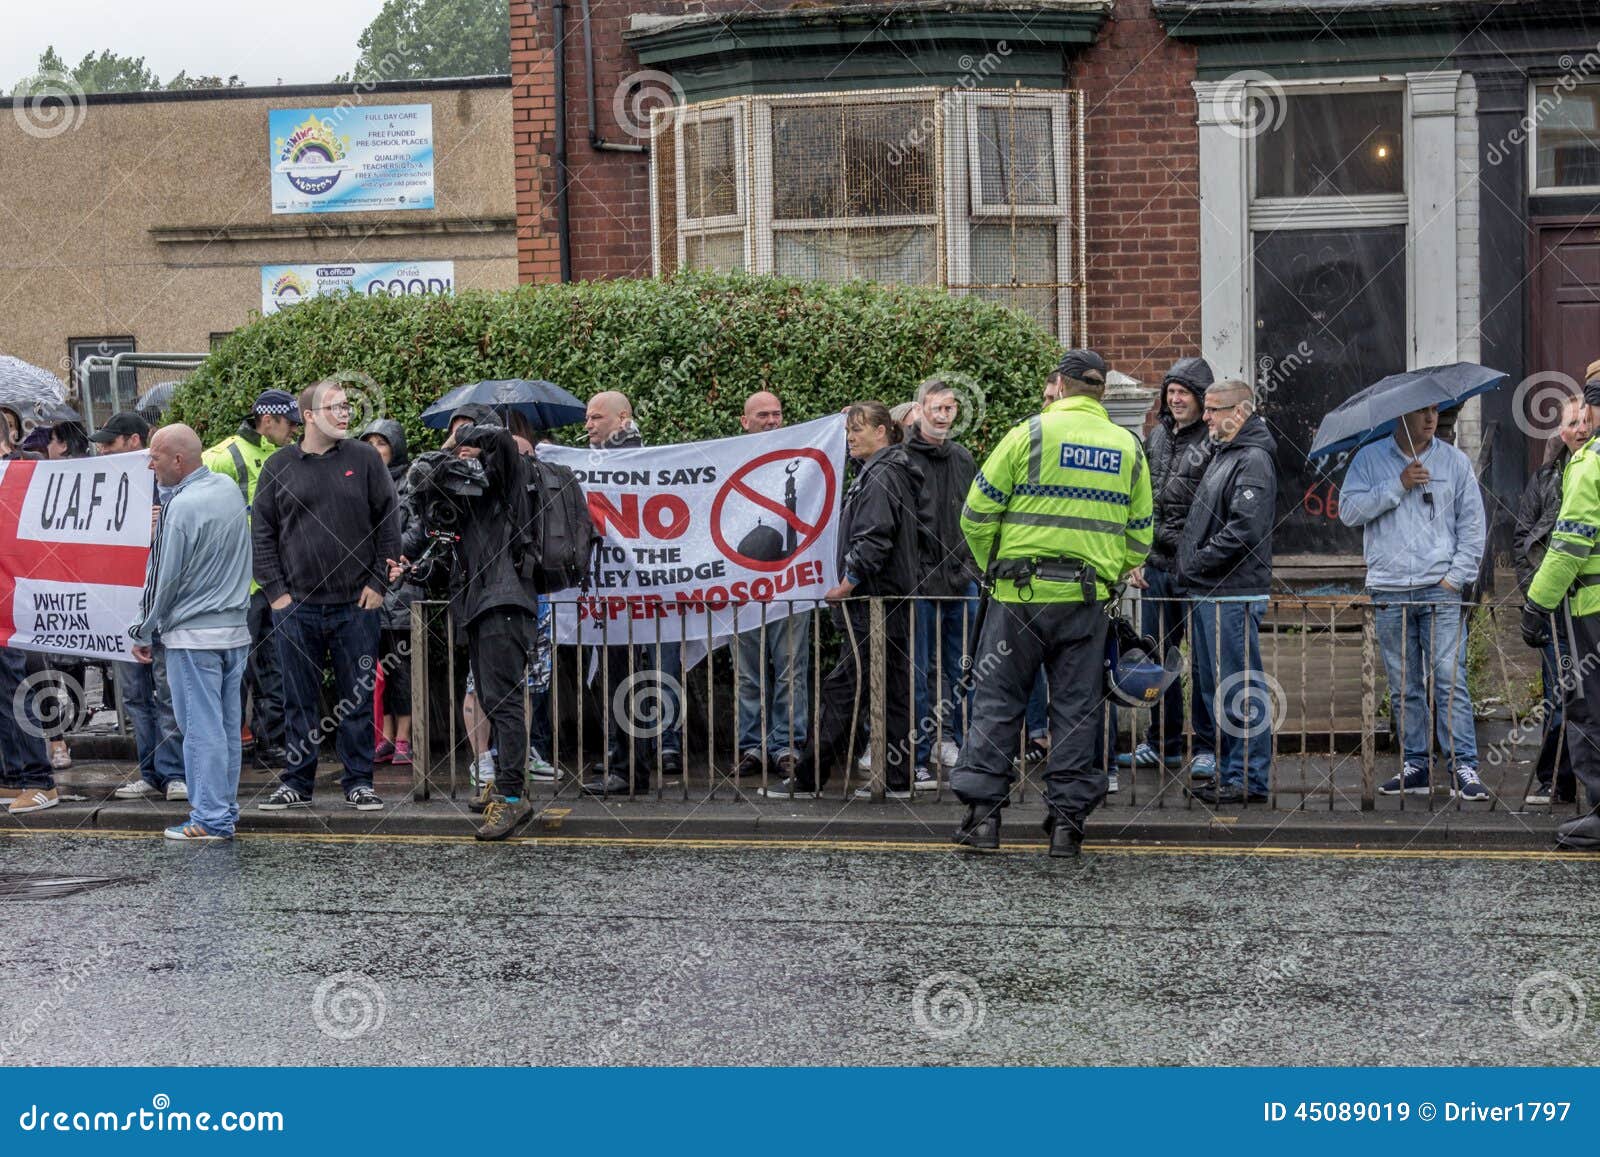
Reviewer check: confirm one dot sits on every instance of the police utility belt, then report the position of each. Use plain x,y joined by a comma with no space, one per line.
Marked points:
1023,571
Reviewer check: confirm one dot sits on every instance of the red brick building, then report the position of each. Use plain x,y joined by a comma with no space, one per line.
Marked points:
1039,152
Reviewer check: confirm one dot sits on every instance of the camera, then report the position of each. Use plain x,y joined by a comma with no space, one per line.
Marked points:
442,483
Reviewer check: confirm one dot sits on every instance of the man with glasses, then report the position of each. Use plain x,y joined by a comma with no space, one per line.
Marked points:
1421,514
325,521
1225,567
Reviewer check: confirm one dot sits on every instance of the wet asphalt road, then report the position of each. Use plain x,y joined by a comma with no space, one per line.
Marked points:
292,951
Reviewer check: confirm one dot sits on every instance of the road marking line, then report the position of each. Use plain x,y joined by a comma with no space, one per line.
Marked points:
847,845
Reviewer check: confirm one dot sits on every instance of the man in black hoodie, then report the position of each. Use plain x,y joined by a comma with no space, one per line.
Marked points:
1179,449
878,557
1225,566
949,588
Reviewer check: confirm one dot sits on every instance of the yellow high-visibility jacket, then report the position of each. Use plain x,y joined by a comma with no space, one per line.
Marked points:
1069,483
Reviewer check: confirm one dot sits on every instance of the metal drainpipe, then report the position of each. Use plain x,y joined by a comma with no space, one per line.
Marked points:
596,141
563,215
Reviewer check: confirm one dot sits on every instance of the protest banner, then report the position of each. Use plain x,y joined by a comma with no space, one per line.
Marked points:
74,537
703,538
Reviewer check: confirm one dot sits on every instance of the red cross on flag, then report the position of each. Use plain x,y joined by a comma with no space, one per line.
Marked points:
74,538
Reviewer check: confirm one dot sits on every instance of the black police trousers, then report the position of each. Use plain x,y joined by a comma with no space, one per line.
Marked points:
1583,703
1069,641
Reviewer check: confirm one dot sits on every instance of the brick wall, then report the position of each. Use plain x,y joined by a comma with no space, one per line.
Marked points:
1143,194
1144,232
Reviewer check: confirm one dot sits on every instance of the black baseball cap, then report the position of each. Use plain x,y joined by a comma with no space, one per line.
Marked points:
1083,366
120,425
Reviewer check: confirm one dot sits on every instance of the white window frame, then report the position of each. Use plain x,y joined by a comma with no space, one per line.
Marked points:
769,225
1367,211
1534,188
727,224
962,197
1056,105
957,193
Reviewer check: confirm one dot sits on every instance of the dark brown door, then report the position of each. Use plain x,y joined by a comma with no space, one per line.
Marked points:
1566,314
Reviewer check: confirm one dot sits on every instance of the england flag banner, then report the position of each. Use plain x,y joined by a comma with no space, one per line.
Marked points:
74,537
706,539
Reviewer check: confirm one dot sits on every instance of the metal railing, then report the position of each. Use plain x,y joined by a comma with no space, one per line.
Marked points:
1318,700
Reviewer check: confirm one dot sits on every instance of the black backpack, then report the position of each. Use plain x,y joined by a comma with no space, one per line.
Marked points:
556,546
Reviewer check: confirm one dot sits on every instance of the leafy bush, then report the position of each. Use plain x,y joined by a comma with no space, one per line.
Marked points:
687,351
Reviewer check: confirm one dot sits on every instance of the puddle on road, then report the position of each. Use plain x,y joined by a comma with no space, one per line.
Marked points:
34,886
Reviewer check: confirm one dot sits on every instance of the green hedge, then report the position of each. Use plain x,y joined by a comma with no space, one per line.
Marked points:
686,350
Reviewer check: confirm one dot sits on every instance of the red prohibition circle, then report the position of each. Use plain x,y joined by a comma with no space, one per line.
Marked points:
809,533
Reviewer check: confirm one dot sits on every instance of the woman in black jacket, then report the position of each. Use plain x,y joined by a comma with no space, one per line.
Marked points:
1536,518
879,557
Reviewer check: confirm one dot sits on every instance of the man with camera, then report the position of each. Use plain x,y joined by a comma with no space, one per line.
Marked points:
479,499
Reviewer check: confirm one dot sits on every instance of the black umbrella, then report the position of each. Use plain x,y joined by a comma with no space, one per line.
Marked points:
1372,414
545,404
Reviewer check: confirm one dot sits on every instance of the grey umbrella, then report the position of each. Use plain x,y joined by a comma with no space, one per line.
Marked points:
154,401
1372,413
28,389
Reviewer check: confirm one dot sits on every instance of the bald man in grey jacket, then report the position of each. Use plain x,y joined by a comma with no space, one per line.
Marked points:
197,595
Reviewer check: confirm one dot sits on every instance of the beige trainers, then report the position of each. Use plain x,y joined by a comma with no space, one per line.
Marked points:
33,799
7,794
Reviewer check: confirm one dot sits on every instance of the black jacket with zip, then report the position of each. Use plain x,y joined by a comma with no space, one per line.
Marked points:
1536,517
1226,548
1178,460
485,576
879,535
947,473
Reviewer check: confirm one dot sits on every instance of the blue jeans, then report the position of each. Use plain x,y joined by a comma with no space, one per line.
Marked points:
1420,629
205,695
1038,713
952,620
775,670
151,715
618,668
307,635
1226,653
1163,615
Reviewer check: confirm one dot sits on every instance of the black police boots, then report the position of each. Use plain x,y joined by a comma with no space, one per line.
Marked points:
1581,834
980,828
1066,836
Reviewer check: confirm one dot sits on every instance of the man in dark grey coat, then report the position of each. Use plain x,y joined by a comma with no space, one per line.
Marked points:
1225,567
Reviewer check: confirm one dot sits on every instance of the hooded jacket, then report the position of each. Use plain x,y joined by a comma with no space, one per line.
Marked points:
397,601
1536,517
485,575
1178,459
879,547
947,472
1226,546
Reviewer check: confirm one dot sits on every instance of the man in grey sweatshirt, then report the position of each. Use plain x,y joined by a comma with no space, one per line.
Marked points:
197,595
